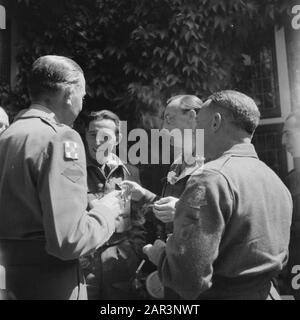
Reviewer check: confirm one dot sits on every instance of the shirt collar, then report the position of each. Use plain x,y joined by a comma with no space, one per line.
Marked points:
242,150
118,163
188,170
37,111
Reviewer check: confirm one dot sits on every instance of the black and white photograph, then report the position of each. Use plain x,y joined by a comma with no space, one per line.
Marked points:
149,152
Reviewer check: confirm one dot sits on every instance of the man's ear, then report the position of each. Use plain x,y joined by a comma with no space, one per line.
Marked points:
216,121
68,94
192,114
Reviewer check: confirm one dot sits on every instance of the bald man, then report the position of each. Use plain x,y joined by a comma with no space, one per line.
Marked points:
180,113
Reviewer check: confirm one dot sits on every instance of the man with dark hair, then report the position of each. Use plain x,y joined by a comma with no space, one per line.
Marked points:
112,124
291,141
110,270
231,226
44,225
239,109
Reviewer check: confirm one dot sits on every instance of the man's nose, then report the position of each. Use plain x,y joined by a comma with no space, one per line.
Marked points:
98,143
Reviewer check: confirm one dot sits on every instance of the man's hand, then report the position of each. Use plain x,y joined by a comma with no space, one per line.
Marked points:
154,251
164,209
136,191
112,201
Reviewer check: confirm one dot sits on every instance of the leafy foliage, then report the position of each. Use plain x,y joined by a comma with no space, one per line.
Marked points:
137,53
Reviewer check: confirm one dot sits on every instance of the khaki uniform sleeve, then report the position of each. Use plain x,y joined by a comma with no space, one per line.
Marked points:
149,197
186,265
70,230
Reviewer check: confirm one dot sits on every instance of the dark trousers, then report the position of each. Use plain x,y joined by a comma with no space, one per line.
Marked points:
111,272
32,274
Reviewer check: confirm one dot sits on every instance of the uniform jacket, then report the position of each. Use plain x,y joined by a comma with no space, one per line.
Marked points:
100,183
231,230
43,198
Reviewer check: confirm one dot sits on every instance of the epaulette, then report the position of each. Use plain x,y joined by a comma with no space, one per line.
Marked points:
51,122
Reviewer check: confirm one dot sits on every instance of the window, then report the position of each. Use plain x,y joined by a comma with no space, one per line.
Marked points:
267,142
259,77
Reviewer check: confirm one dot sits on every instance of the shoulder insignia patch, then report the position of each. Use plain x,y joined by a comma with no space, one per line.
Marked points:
73,173
198,197
71,150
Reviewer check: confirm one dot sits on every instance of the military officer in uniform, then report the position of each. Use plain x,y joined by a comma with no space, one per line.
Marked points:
232,223
44,226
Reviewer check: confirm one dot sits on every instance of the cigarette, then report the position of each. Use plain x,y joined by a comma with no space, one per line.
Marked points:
140,266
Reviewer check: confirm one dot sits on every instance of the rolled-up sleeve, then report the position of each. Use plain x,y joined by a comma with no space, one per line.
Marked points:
186,266
70,230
